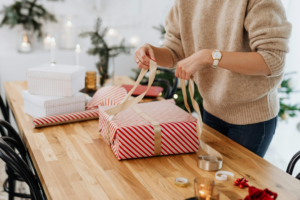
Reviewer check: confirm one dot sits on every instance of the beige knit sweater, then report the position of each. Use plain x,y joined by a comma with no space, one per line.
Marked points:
236,26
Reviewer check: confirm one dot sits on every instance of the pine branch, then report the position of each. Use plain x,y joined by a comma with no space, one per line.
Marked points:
31,21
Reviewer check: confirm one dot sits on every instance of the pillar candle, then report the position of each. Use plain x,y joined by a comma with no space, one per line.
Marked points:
77,54
53,46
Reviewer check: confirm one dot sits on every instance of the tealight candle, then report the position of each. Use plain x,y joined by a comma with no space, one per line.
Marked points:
203,187
25,46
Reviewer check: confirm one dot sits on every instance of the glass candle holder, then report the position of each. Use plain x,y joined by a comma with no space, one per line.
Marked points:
90,81
204,188
25,41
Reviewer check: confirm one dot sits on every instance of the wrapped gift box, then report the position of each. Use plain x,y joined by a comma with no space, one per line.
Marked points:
106,96
132,136
57,80
41,106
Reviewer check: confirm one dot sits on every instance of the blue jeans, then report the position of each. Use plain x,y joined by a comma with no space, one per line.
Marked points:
255,137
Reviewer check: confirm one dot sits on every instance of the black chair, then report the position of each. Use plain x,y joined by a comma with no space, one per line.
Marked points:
5,113
292,164
17,165
169,82
10,182
4,109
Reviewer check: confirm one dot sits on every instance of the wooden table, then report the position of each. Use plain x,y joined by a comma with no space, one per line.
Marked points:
73,162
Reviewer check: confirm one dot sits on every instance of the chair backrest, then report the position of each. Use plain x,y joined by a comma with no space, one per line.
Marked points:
11,132
175,81
4,109
292,164
14,162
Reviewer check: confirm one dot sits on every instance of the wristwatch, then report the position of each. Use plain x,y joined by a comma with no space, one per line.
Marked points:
217,56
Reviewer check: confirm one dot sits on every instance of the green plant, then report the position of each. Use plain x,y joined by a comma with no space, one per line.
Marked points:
101,49
285,89
161,29
28,14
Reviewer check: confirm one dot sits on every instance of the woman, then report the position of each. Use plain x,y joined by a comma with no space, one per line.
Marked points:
235,51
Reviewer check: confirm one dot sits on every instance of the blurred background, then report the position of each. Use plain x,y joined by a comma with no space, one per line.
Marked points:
129,24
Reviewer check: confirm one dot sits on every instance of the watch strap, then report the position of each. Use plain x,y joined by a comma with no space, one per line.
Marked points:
215,63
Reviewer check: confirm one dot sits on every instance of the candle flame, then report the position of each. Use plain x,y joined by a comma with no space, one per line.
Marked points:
48,38
77,46
134,40
69,23
112,32
52,40
25,39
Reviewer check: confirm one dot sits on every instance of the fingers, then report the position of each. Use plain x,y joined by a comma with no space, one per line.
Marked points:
143,56
182,71
151,54
139,61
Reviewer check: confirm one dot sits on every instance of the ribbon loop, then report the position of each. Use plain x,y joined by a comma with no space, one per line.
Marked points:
214,160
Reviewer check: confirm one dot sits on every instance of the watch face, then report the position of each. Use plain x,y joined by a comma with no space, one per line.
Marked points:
217,55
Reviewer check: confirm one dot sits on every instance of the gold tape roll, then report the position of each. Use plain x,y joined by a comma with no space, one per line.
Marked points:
209,163
181,182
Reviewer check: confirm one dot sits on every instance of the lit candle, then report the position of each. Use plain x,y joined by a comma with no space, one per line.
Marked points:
77,54
134,40
47,42
53,45
111,37
68,37
25,47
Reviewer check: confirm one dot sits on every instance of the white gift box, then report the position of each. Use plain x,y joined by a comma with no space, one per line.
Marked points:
42,106
57,80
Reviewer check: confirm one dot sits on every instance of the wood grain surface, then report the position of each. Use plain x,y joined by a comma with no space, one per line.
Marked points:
73,162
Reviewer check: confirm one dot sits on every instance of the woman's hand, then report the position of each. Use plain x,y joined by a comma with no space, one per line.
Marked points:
143,56
187,67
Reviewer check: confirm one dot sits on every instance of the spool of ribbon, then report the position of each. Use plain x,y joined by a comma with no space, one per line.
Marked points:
223,174
209,163
181,182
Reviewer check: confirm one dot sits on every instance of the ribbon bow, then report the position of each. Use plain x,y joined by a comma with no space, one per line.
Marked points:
257,194
241,182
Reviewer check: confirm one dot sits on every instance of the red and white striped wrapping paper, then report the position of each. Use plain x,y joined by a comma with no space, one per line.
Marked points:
106,96
116,94
131,136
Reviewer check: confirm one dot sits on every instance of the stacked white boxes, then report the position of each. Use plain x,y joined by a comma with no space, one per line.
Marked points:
54,90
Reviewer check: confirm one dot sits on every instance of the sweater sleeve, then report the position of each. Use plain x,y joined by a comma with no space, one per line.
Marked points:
269,32
172,39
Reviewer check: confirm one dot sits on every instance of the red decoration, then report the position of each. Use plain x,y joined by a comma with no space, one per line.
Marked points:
257,194
241,182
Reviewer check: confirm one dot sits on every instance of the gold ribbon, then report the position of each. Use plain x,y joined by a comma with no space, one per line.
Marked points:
213,161
157,130
125,103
